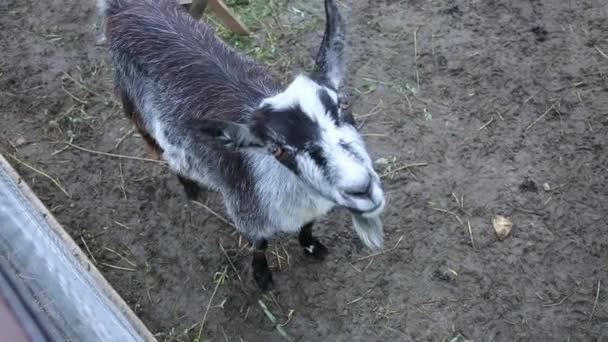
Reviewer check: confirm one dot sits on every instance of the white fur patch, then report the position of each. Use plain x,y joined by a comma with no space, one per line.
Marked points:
288,201
370,230
303,92
102,6
348,169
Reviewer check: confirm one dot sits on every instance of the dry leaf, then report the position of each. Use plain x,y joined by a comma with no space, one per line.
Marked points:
502,226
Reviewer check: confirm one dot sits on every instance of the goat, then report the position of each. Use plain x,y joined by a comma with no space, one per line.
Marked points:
281,158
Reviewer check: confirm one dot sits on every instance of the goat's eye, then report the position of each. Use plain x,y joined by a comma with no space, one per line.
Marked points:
279,152
348,118
343,104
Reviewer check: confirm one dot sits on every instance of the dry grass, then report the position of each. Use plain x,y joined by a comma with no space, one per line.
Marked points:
391,167
113,155
42,173
220,278
597,296
272,318
542,116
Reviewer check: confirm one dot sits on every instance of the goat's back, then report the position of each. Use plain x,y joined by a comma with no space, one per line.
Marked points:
192,72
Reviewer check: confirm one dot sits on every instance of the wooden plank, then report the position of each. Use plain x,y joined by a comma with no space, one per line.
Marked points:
231,22
12,329
19,319
223,12
82,302
198,8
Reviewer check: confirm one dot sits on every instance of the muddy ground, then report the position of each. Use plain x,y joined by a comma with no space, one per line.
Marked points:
497,107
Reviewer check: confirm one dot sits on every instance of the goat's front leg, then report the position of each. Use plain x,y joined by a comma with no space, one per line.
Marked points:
132,114
312,246
261,271
191,188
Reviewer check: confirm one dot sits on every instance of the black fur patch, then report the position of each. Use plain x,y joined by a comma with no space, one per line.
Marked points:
349,118
290,126
330,106
312,246
291,164
350,150
316,154
321,79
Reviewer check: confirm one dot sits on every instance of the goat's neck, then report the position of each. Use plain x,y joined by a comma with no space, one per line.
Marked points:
289,202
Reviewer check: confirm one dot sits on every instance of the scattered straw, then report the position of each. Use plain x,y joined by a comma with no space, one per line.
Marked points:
471,234
600,51
88,250
597,296
416,57
231,264
118,267
122,180
499,115
374,111
218,282
122,225
273,319
359,298
113,155
276,253
382,252
401,168
212,212
74,97
395,330
289,317
81,85
558,303
356,268
451,213
369,79
409,103
52,179
459,201
486,124
541,116
120,256
123,138
287,254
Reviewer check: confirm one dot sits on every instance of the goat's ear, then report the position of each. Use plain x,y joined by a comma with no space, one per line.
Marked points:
330,62
230,134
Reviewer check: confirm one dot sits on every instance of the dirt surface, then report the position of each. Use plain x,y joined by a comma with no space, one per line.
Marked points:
496,98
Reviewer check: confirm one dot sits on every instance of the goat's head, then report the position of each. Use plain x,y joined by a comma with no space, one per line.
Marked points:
306,130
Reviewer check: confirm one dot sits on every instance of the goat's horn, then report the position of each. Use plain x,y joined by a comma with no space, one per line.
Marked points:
330,62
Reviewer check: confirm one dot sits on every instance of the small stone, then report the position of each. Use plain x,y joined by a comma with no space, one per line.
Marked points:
528,186
546,187
445,274
502,226
20,142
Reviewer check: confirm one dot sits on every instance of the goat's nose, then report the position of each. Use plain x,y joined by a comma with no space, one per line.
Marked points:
361,190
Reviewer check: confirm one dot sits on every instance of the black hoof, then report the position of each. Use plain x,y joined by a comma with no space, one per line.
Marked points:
191,188
263,279
316,250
